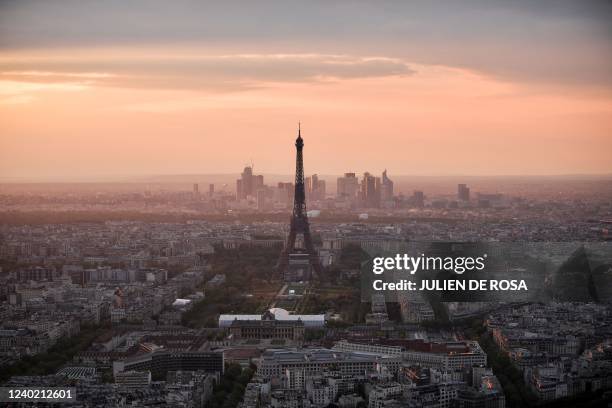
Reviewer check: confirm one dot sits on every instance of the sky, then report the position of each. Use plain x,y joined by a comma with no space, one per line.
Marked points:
100,90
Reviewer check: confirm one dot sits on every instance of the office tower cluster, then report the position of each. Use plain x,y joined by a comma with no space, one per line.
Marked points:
347,186
370,192
196,190
315,188
353,193
251,188
284,193
248,184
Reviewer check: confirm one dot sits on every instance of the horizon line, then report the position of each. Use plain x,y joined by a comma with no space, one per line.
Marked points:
133,179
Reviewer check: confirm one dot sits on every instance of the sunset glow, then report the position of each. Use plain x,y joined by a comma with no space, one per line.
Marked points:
135,109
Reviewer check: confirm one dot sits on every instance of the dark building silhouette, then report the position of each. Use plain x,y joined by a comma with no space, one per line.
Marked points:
284,193
299,225
248,184
347,186
370,191
386,188
463,192
315,188
418,199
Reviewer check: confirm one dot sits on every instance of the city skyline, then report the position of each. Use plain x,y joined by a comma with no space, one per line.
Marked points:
187,179
203,88
306,204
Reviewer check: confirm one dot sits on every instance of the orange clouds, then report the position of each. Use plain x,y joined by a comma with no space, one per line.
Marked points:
110,114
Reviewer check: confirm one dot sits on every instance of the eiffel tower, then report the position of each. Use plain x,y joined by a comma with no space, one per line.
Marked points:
299,220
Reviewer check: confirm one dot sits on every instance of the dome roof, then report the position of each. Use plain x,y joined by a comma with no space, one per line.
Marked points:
279,312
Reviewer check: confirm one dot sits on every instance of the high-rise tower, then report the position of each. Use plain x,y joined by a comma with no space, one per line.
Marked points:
463,192
291,258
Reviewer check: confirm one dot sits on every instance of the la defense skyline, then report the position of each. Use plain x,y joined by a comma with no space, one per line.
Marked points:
370,190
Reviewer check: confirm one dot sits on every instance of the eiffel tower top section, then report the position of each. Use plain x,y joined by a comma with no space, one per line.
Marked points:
299,142
299,199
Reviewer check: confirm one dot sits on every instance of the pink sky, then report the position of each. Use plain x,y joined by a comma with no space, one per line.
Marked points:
102,112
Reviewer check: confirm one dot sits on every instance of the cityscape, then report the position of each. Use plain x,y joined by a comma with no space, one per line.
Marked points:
306,204
193,298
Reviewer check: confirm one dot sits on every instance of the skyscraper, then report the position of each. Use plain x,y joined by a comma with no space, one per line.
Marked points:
196,191
321,190
347,186
258,183
315,188
418,199
386,191
248,184
284,192
261,199
370,191
239,190
463,192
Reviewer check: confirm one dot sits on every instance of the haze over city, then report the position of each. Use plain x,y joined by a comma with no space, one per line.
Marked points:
104,91
306,204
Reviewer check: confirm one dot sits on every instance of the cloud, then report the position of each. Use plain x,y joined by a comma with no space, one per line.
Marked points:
19,92
197,72
560,41
12,88
17,100
61,75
